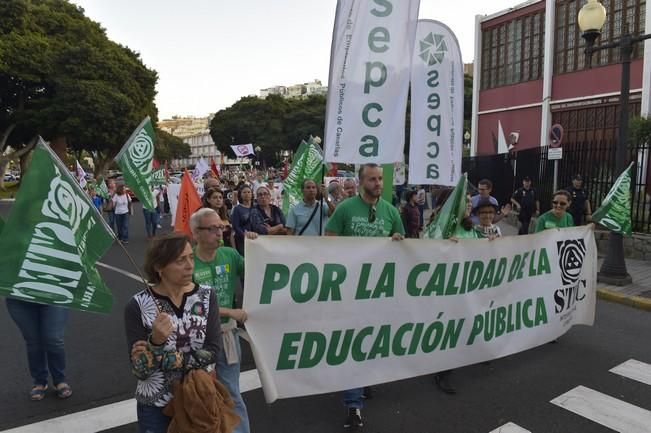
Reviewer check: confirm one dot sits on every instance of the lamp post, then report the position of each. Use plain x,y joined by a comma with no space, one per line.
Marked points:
592,17
258,151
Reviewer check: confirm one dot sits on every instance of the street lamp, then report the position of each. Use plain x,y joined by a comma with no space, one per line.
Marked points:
592,17
258,151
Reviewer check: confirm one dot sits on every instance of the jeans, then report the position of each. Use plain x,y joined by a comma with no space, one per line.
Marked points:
43,327
421,212
353,398
151,221
151,419
111,220
229,376
122,223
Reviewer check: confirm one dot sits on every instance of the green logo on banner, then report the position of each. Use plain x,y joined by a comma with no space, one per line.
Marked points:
56,237
433,49
135,161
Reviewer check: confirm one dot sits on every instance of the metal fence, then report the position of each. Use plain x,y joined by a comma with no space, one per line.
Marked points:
594,161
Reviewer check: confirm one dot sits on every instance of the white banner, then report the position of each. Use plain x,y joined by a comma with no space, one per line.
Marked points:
436,142
200,169
361,313
242,150
372,42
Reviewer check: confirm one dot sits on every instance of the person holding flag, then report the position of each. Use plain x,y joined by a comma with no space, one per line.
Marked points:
172,327
55,237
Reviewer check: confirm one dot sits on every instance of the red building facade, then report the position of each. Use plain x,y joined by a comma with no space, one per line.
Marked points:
530,73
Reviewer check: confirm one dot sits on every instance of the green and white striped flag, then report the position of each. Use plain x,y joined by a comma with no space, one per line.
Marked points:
56,236
308,164
451,214
135,159
615,211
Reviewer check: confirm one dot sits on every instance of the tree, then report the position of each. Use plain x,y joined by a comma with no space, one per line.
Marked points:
273,123
62,78
170,147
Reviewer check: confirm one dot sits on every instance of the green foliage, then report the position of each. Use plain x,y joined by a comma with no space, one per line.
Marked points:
170,147
60,76
273,124
639,130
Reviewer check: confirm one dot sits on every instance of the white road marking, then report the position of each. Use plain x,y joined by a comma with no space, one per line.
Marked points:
120,271
510,428
111,415
606,410
635,370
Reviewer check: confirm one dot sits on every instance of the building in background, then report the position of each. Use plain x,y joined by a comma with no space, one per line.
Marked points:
530,73
297,90
183,127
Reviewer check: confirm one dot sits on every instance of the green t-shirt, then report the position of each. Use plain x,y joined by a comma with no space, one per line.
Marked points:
549,221
462,233
220,274
351,218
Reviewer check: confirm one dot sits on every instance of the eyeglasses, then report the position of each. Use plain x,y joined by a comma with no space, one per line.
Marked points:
263,193
488,212
560,203
213,229
372,214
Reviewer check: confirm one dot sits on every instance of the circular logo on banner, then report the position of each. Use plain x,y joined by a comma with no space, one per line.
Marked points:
570,258
556,135
243,149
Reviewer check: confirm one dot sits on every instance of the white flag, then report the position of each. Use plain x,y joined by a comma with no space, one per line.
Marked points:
242,150
199,169
372,42
435,148
81,175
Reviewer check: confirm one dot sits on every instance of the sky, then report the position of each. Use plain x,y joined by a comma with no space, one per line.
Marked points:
210,53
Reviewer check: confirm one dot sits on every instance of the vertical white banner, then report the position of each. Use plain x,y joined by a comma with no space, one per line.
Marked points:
372,44
436,145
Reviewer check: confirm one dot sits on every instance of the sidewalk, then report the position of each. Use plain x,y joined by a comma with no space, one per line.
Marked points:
637,294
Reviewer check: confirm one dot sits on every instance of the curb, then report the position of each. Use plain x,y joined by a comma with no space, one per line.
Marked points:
619,298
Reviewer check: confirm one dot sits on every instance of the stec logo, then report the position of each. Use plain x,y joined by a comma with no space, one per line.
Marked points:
571,254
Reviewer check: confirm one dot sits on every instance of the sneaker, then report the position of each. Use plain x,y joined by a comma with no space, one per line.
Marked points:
354,418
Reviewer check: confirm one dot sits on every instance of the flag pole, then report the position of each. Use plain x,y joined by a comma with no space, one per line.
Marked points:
321,201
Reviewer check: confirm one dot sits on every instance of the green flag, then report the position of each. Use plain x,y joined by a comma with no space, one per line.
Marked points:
56,236
308,164
158,177
451,214
387,182
615,211
102,189
135,162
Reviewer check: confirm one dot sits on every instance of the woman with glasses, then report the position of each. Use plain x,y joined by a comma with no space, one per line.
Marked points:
266,218
558,216
214,199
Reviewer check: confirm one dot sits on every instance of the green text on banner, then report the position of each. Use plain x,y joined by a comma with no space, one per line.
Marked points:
370,58
373,310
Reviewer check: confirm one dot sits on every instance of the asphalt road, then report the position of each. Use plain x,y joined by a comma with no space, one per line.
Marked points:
514,389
